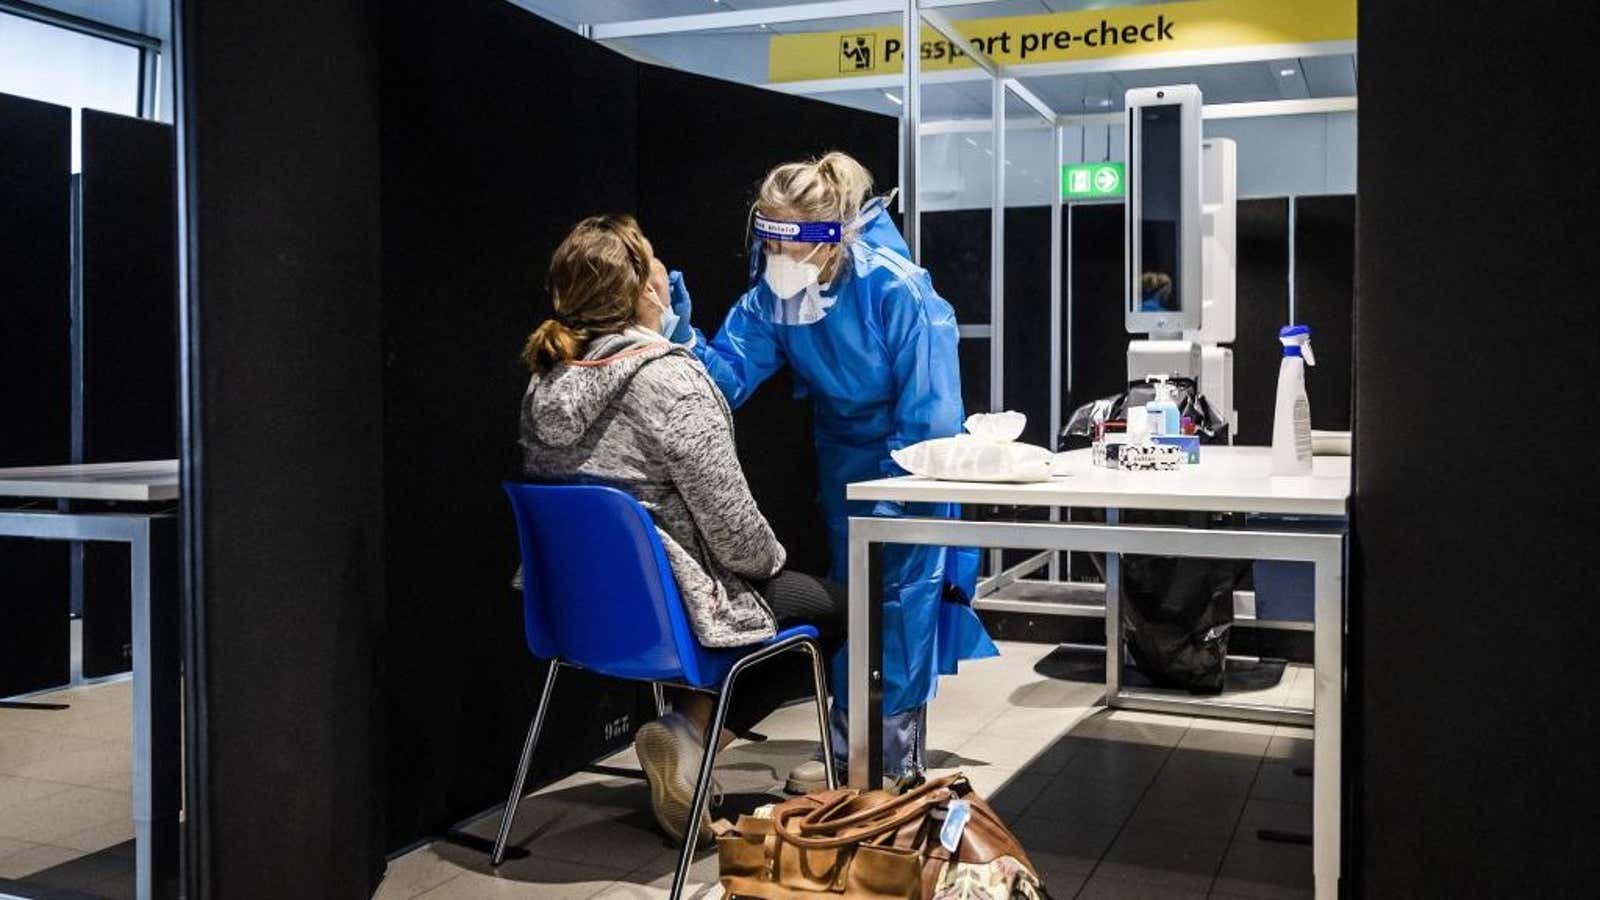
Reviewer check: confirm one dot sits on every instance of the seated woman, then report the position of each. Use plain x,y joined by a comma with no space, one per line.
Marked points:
612,401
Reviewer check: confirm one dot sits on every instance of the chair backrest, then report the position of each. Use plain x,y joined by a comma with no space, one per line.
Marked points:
597,590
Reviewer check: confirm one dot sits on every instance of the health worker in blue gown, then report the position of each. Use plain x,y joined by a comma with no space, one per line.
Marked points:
835,298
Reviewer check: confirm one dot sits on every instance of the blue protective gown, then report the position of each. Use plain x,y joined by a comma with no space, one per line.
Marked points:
881,370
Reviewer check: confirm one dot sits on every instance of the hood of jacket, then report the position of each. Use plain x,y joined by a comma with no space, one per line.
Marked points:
565,401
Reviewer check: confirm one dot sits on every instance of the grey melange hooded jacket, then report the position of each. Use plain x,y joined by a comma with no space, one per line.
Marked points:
641,414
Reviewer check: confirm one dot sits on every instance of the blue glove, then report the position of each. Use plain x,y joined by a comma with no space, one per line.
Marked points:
683,332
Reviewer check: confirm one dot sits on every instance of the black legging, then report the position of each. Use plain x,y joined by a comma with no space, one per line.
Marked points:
795,598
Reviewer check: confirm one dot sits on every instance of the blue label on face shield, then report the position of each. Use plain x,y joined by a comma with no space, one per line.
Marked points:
800,232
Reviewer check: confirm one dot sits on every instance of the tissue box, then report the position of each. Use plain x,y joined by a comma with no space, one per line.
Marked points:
1188,443
1152,458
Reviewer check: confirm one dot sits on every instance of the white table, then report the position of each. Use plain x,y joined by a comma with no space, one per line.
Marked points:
1228,479
151,535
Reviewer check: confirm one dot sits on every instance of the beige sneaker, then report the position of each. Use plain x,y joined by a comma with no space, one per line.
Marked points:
812,776
670,755
807,778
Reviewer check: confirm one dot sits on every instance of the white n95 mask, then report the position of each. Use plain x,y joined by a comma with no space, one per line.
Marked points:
788,276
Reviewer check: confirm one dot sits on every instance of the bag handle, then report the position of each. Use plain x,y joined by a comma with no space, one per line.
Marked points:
905,808
811,822
780,828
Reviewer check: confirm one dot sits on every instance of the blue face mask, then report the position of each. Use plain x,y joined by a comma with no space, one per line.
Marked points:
669,319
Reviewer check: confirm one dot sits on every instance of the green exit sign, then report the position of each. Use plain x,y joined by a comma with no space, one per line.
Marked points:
1092,181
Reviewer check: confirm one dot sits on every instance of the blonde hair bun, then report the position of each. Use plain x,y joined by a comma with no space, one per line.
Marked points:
831,188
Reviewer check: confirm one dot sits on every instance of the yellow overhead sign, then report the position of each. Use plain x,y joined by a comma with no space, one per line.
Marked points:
1067,36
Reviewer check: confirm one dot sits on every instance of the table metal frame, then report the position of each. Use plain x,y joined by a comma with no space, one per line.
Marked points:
1324,550
157,707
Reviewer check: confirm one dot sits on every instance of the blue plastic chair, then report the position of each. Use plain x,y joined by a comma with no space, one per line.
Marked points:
598,594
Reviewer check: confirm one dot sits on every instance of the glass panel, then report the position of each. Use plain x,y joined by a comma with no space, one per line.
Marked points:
1031,179
957,146
43,62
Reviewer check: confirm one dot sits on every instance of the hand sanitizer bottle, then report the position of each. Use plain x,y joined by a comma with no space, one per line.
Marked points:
1291,420
1164,418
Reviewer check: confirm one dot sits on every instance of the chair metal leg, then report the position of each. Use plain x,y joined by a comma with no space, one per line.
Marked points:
522,765
820,681
661,698
709,761
702,784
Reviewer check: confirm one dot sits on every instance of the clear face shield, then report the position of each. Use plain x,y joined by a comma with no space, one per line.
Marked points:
787,255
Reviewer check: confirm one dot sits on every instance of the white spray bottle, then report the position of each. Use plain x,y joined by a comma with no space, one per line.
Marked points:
1291,420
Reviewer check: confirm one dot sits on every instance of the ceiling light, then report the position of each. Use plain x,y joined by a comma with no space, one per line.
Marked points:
893,99
1285,73
1105,102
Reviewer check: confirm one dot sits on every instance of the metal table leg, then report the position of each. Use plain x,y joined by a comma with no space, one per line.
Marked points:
1328,703
157,703
156,707
1113,620
865,661
1325,550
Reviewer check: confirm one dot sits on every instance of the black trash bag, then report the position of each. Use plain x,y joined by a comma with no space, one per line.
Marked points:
1176,612
1176,616
1212,428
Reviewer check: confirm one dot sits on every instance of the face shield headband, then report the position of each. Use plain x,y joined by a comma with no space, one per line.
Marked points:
763,228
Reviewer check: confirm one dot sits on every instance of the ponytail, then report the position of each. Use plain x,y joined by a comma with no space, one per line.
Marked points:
851,182
552,344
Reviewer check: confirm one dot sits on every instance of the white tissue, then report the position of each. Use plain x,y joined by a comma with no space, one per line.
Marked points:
989,452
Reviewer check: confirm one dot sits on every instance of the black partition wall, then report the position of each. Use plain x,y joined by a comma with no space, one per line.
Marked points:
1472,594
35,368
500,130
126,340
283,526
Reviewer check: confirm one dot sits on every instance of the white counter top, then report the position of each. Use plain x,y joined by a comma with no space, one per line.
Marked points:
1228,479
135,482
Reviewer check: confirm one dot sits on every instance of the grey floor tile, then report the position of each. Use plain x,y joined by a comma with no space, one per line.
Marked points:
1081,799
1277,815
1289,748
99,837
1016,795
1155,732
1266,870
554,881
1098,760
117,887
987,781
654,878
15,790
1008,752
35,858
48,818
1234,743
1063,881
1208,813
413,873
1068,845
1109,887
617,844
1174,857
1209,772
1277,781
1039,756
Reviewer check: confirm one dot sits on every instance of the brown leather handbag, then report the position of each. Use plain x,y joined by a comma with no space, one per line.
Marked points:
862,845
